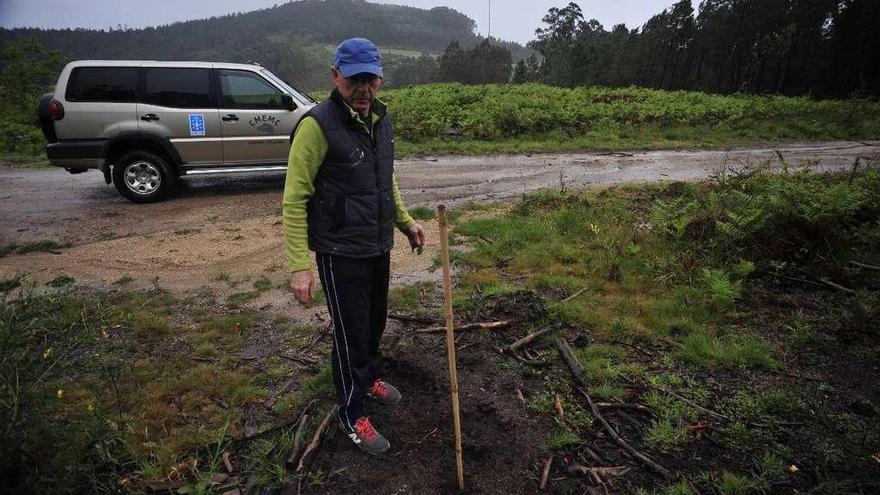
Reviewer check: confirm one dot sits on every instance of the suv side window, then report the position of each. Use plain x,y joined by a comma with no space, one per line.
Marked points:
102,84
177,87
246,90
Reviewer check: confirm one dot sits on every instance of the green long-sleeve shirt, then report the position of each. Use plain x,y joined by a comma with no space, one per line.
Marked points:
307,153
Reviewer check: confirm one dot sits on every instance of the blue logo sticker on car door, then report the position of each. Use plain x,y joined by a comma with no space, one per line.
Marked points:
196,124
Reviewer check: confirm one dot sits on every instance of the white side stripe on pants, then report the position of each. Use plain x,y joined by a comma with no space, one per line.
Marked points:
348,392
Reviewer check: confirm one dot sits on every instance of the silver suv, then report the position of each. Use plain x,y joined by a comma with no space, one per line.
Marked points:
144,124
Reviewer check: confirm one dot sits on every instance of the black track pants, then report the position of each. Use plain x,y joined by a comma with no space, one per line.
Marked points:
357,297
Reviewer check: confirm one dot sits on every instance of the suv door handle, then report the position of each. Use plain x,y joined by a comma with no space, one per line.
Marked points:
149,117
230,118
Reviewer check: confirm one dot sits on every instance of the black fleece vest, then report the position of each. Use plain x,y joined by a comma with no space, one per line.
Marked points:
352,211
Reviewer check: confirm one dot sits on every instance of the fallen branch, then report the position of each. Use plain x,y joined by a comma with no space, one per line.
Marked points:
865,266
316,439
273,429
514,355
574,366
593,455
837,287
297,441
528,339
491,325
546,472
597,471
577,293
694,404
800,280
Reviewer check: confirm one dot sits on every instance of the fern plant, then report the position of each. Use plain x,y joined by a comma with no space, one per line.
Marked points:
721,291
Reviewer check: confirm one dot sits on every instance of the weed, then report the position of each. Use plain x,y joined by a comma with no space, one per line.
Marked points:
801,335
229,323
681,487
32,247
8,284
123,280
666,435
223,277
734,484
721,292
149,325
735,351
404,298
239,298
61,281
562,439
608,392
422,213
262,284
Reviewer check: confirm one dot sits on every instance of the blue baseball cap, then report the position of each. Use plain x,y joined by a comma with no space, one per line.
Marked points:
356,55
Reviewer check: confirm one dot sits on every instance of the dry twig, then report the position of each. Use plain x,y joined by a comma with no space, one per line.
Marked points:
297,440
316,439
568,357
546,472
577,293
528,339
836,287
865,266
694,404
491,325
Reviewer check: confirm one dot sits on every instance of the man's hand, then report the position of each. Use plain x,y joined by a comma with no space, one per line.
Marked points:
303,285
416,237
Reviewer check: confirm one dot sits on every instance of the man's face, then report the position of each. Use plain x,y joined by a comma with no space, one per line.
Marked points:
358,90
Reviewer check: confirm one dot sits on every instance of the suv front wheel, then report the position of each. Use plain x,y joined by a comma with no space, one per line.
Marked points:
143,177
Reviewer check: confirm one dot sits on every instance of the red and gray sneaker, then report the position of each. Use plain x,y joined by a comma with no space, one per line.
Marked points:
384,393
367,438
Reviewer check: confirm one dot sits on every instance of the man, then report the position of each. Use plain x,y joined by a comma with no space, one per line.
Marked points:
341,194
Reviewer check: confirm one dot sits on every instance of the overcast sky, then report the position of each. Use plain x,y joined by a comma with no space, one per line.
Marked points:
511,19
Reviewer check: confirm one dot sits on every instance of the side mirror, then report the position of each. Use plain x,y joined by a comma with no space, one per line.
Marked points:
287,102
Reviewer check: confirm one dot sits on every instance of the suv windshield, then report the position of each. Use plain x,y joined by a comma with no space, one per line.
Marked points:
300,95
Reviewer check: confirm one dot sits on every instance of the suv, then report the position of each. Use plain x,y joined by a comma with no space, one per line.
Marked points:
144,124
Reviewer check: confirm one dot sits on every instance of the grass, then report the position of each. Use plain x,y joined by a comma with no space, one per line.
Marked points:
47,246
422,213
675,281
90,386
735,351
408,298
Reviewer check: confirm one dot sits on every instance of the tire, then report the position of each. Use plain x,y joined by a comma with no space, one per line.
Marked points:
143,177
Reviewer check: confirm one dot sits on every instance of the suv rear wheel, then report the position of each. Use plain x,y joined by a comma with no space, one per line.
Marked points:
143,177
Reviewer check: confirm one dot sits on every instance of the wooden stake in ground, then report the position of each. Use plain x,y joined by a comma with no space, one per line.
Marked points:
450,342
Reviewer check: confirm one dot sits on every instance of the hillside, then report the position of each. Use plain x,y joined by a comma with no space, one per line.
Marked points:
295,39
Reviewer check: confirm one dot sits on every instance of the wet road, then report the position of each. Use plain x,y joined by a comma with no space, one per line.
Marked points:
234,221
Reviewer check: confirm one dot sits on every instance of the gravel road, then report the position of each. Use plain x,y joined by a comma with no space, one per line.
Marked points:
215,225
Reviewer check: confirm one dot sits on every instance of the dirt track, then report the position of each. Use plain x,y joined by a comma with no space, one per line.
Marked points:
232,224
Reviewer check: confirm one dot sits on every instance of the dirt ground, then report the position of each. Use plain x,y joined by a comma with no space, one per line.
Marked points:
222,234
231,225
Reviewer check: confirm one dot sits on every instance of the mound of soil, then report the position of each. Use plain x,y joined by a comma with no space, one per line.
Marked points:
501,442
